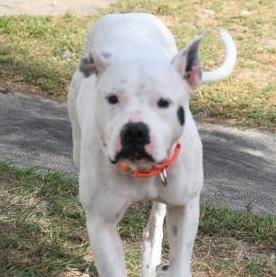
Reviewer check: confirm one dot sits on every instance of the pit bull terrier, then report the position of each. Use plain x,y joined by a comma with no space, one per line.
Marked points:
134,138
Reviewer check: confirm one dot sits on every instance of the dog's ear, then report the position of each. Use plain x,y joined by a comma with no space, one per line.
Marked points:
95,63
187,63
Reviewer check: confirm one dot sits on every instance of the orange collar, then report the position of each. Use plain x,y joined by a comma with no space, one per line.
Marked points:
123,167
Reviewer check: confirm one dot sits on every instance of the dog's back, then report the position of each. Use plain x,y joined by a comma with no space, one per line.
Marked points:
137,35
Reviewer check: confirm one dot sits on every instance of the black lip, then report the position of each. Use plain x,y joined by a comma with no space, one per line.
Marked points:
132,154
113,161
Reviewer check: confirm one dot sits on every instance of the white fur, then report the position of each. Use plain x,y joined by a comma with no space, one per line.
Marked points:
139,70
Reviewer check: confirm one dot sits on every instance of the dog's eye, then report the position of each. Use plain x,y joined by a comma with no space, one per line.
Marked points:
112,99
163,103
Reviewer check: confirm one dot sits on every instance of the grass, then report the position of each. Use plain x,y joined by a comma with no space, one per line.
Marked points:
32,50
43,232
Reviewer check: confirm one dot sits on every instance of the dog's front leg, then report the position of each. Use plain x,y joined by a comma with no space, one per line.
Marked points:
182,224
105,241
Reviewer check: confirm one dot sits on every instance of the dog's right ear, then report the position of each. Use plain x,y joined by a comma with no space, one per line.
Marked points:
95,63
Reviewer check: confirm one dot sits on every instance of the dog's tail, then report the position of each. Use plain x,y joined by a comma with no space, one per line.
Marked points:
229,62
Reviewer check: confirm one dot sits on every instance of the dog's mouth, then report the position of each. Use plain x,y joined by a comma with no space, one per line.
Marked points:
133,155
137,158
141,163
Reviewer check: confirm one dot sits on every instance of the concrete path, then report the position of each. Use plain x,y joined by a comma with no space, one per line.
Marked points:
50,7
240,166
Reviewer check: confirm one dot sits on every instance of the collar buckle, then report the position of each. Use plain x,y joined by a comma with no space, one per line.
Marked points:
164,177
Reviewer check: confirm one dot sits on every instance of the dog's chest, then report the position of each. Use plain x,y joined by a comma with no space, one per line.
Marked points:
178,190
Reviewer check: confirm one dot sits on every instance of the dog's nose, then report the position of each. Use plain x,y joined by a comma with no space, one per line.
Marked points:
135,134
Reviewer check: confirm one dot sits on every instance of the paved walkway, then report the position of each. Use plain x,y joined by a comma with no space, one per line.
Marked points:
240,166
50,7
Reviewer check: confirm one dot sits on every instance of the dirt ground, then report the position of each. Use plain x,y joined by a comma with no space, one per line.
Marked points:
50,7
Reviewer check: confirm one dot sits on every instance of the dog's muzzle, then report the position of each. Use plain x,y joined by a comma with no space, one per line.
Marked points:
134,137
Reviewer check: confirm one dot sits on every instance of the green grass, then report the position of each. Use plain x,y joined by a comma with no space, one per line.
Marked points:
43,232
31,50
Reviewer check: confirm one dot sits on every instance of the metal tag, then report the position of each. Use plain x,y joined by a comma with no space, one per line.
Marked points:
164,177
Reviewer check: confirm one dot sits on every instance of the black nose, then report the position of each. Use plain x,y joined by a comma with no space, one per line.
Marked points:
135,134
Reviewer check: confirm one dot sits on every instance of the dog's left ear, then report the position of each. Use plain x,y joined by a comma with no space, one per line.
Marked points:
188,65
96,62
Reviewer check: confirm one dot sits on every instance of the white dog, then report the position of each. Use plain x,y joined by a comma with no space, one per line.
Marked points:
134,138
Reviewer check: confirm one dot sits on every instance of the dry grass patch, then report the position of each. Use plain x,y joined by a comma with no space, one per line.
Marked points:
43,232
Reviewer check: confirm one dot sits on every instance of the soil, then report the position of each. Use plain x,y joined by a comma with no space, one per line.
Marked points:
50,7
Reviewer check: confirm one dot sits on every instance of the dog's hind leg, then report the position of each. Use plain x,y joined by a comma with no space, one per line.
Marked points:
152,240
182,223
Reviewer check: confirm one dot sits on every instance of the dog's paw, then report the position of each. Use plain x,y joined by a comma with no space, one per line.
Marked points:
162,271
165,271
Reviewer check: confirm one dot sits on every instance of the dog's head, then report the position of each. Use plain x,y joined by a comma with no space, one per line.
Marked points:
140,109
